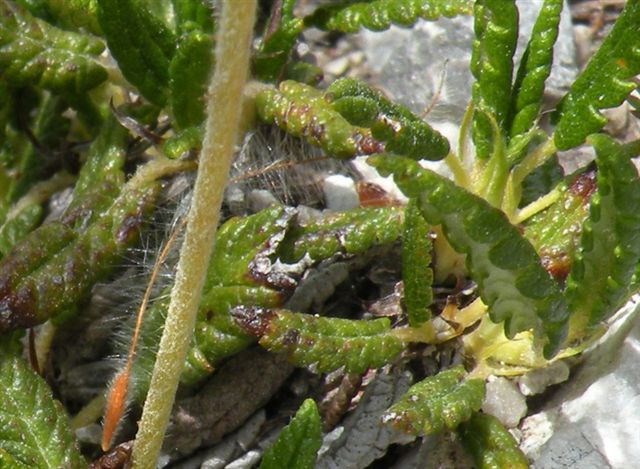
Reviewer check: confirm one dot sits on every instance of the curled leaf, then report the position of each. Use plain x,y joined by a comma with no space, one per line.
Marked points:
510,277
379,15
325,343
604,83
438,403
417,275
496,29
609,250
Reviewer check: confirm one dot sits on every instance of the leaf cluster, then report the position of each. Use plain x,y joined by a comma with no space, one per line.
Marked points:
98,71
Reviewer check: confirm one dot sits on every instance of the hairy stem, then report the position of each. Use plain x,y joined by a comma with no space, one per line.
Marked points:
222,126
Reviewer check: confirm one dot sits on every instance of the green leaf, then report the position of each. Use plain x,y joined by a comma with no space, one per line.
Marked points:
496,29
185,141
555,232
193,12
282,31
74,15
604,83
337,119
417,275
48,57
189,72
141,44
18,227
490,444
298,443
534,69
609,248
348,233
379,15
238,275
438,403
541,180
50,128
303,111
511,280
325,343
34,431
53,290
404,132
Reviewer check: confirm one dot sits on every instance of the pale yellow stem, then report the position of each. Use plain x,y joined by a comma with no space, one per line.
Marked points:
224,110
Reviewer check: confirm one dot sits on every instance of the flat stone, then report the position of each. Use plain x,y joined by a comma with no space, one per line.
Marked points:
593,420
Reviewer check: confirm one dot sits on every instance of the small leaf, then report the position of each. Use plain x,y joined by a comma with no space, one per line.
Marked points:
496,29
282,31
298,443
48,57
348,233
189,72
609,249
438,403
490,444
605,82
34,431
141,44
511,280
325,343
534,69
379,15
417,275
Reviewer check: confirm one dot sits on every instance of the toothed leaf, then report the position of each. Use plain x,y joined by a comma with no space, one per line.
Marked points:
609,248
604,83
349,233
496,30
48,57
417,275
34,431
325,343
379,15
510,277
141,44
438,403
303,111
278,41
404,133
298,443
490,444
534,69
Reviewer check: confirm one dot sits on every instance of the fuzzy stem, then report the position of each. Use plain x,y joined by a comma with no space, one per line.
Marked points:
222,126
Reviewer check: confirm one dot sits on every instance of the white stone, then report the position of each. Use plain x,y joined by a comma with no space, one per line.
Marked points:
504,401
340,193
537,381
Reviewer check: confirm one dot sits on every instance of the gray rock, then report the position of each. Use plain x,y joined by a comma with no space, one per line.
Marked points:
410,64
593,420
